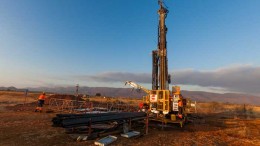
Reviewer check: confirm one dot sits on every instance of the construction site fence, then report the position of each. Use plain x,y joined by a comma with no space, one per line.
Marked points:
74,106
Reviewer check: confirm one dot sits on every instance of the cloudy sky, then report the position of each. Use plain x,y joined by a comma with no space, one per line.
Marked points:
213,45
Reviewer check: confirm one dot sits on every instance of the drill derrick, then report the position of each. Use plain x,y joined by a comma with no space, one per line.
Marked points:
164,105
160,62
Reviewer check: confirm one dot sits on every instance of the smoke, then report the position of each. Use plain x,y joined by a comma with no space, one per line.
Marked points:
117,77
240,78
237,78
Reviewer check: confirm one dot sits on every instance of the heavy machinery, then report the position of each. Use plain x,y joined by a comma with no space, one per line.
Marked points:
164,105
138,87
153,104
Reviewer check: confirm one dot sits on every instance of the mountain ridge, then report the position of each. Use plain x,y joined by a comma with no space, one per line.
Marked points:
200,96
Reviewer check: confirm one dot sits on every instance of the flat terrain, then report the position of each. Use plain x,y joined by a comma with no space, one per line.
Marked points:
219,125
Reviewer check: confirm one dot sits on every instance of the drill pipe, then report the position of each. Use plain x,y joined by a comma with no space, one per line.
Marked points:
75,122
57,121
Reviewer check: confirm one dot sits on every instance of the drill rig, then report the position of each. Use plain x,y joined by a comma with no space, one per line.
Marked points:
163,104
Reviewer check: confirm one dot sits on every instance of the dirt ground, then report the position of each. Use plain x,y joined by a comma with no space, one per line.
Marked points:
20,125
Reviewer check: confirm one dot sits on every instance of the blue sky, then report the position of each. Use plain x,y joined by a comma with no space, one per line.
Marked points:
102,43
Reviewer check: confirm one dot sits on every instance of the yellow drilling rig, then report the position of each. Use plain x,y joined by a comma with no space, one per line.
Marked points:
162,104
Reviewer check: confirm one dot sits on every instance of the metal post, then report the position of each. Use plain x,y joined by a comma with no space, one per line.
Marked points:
25,96
146,124
130,123
77,90
195,107
77,94
89,127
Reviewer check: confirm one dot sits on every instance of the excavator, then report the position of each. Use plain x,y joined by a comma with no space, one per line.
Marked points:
164,105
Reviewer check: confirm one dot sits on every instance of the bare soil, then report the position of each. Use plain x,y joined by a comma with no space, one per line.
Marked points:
232,125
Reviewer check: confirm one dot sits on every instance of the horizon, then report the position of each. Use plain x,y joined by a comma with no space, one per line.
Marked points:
212,45
43,89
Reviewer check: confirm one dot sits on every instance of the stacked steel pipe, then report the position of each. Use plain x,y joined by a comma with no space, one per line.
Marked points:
77,120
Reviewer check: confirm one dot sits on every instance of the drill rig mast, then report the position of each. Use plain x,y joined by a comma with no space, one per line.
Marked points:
163,102
162,48
164,105
160,77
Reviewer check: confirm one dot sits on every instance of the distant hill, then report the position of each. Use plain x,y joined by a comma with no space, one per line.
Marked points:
11,89
104,91
226,98
128,92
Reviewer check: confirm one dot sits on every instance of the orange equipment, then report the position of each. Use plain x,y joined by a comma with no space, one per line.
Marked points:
180,103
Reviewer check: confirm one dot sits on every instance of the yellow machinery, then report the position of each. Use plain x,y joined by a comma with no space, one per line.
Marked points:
164,105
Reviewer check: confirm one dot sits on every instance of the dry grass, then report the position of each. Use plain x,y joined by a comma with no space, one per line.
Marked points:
215,107
17,97
131,101
223,124
11,98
